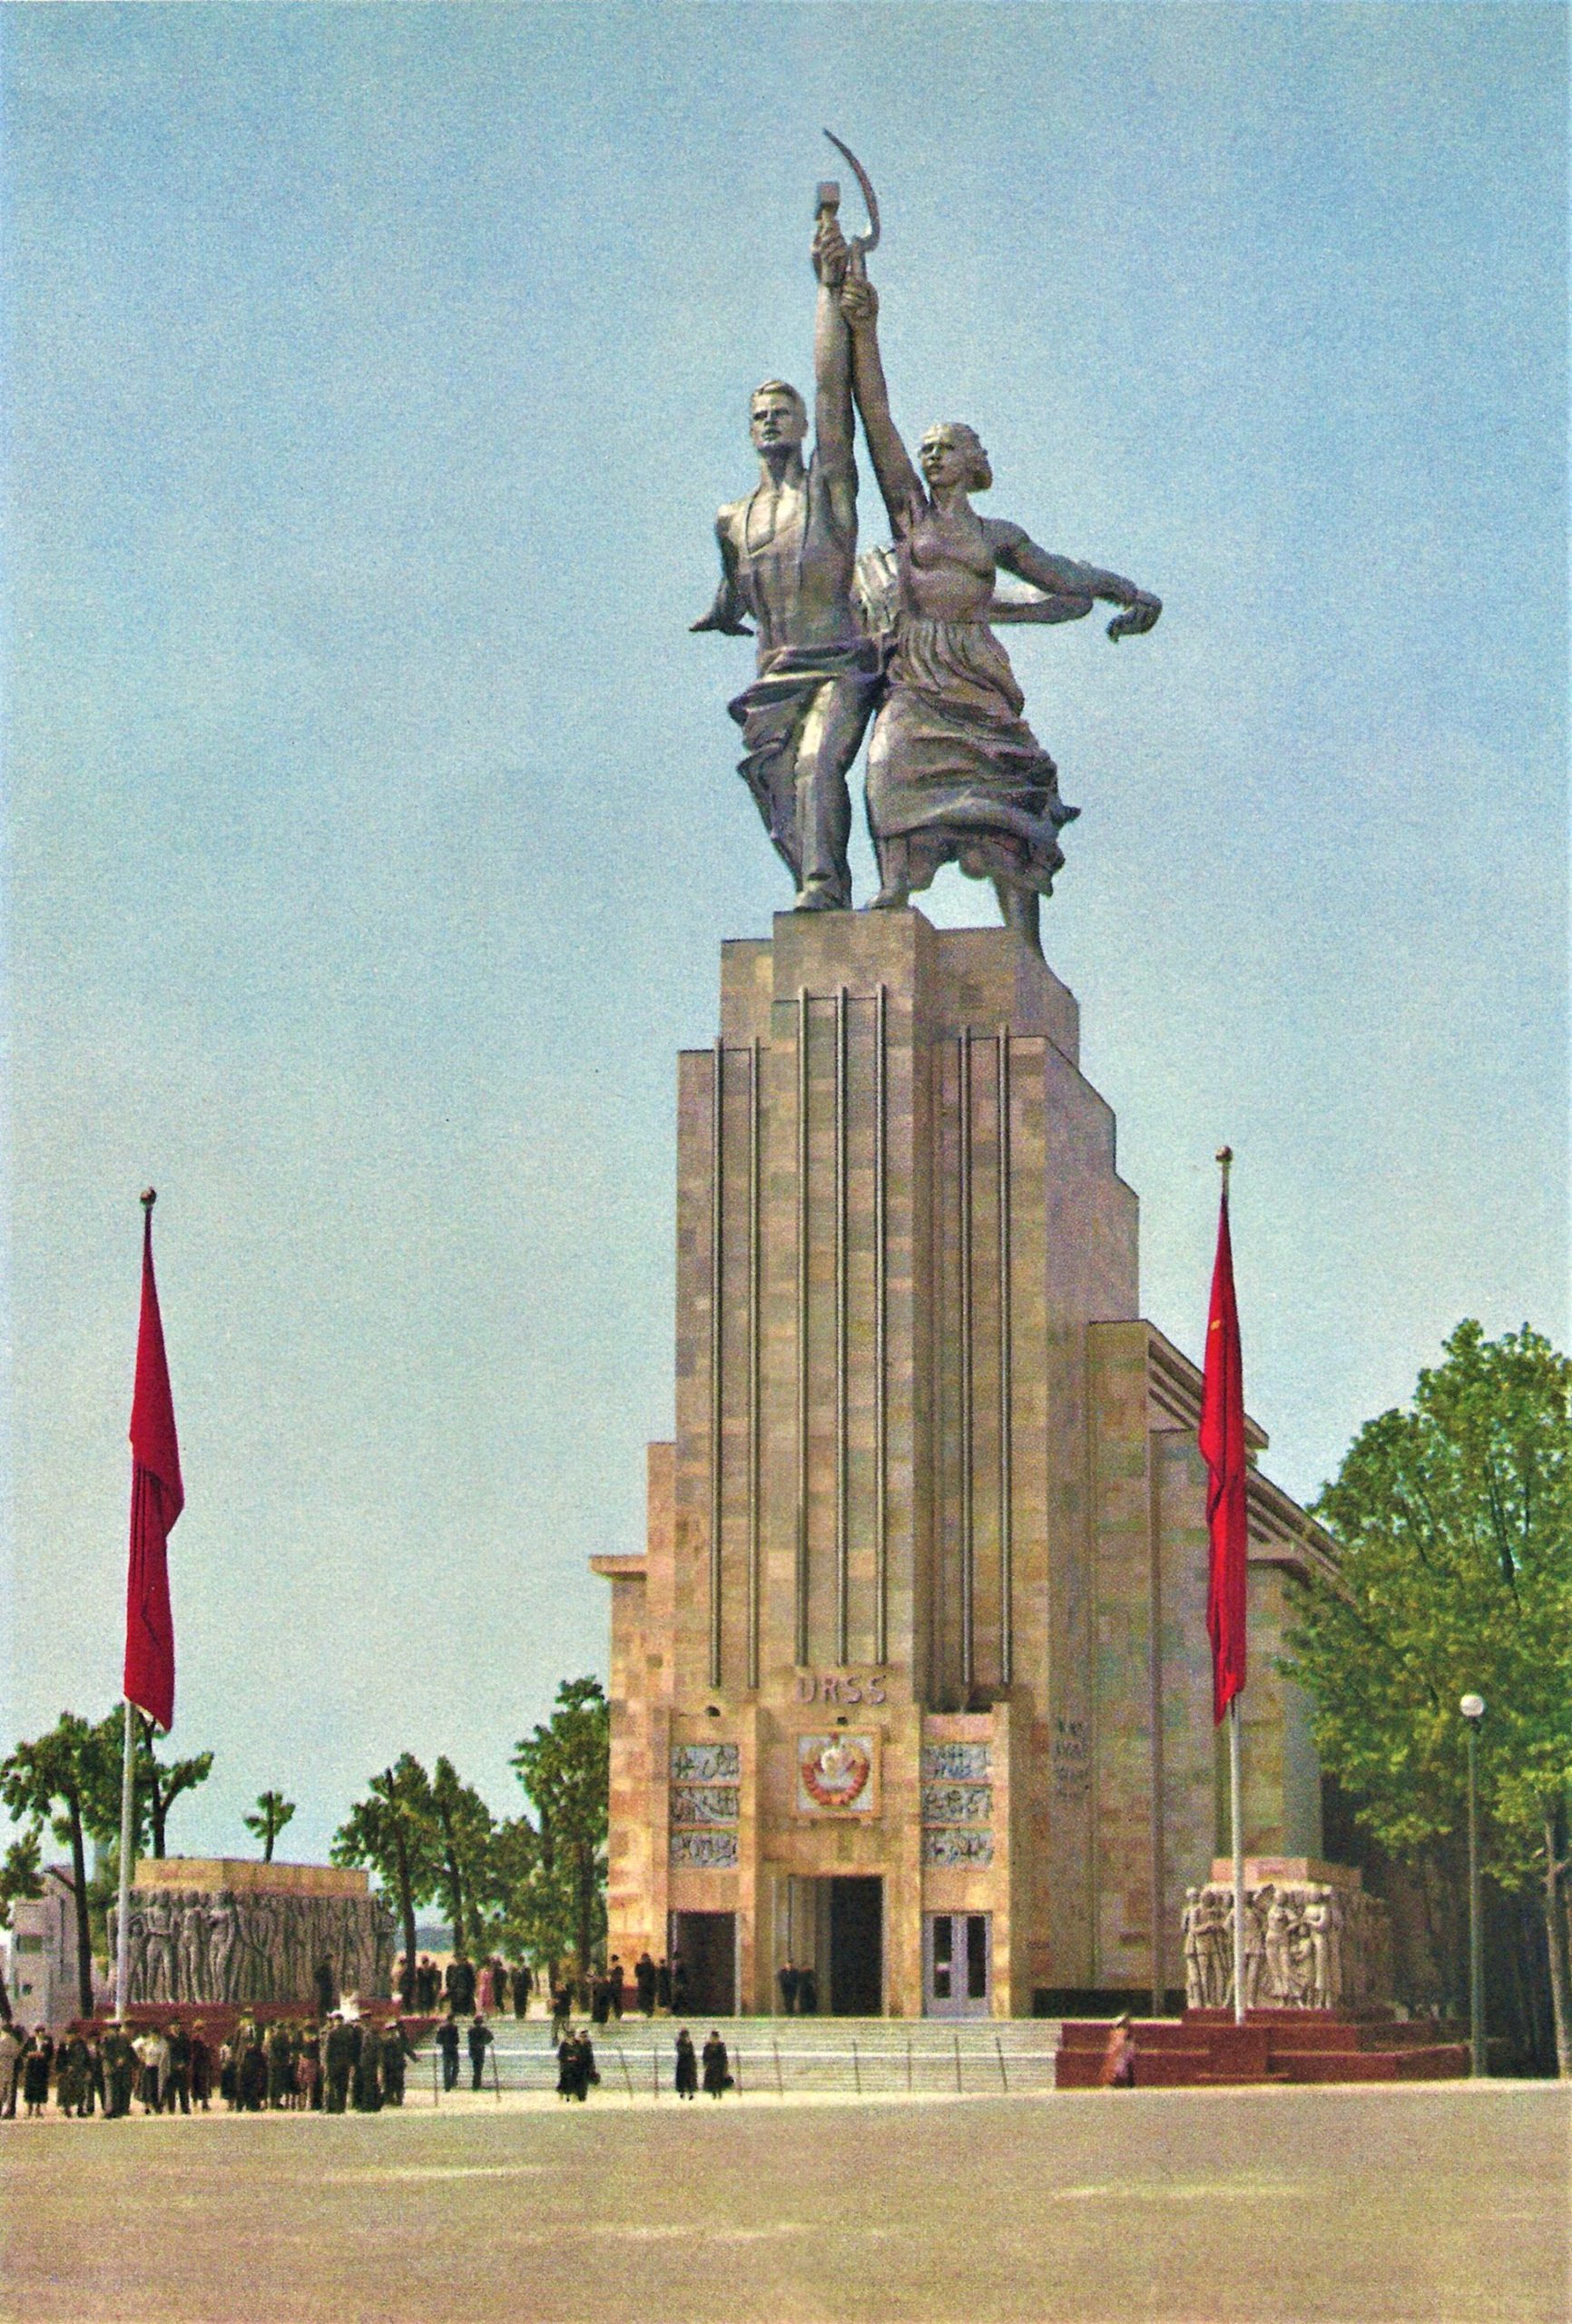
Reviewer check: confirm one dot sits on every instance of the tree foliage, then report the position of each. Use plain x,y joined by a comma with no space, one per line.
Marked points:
394,1832
21,1880
565,1768
272,1813
1453,1526
68,1781
1453,1521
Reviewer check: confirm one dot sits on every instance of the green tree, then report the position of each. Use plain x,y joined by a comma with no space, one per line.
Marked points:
1453,1521
564,1767
465,1827
21,1880
68,1780
394,1831
159,1782
273,1812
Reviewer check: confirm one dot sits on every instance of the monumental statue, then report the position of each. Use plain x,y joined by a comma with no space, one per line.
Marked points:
955,775
788,562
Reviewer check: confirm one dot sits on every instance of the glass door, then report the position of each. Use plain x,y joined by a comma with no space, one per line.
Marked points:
957,1964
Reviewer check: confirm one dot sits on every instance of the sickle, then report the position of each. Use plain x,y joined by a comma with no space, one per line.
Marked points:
868,241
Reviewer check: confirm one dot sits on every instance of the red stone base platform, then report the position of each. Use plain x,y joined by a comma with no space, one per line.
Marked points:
1206,2048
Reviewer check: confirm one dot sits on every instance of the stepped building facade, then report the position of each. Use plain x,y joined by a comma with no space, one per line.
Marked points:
910,1684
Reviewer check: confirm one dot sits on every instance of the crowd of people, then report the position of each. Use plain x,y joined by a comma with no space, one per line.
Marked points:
328,2067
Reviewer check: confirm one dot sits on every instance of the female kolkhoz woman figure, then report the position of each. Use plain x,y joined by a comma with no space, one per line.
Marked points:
955,775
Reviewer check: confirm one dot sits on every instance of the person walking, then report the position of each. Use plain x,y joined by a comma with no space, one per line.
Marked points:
480,2040
687,2070
644,1982
1117,2070
447,2042
717,2078
567,2063
523,1986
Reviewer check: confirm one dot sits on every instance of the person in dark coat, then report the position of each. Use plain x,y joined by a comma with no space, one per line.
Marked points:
202,2072
339,2064
461,1987
662,1985
177,2081
807,1993
616,1985
37,2060
447,2042
587,2070
253,2074
480,2040
397,2051
368,2073
679,1984
687,2072
327,1992
120,2071
280,2077
716,2063
789,1980
523,1987
644,1982
567,2063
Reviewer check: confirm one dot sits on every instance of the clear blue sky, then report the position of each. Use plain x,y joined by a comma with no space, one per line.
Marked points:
371,826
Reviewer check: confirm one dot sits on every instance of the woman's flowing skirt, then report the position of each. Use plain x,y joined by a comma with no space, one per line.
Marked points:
955,775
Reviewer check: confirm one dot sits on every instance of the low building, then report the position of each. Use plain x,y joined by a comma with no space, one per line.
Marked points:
41,1966
911,1685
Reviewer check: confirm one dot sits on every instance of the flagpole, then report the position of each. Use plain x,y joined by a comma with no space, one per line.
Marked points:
1235,1786
127,1843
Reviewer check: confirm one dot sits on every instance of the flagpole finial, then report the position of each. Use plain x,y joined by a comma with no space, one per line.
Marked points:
1225,1157
149,1197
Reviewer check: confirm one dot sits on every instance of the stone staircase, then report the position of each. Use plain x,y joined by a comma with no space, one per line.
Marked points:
1205,2047
781,2056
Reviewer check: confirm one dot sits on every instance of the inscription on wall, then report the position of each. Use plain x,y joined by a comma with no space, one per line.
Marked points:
706,1805
957,1804
1071,1758
841,1686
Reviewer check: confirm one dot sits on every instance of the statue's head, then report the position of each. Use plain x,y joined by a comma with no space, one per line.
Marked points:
776,415
952,453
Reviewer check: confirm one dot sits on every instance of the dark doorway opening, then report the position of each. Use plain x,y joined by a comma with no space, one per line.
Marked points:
857,1947
706,1945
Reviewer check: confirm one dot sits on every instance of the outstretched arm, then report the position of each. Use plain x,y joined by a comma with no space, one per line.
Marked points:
832,376
1063,576
898,479
727,610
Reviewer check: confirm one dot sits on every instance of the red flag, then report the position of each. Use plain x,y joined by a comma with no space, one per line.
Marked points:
157,1498
1221,1441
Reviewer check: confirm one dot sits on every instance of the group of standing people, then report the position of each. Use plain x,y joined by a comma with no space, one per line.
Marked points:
90,2072
282,2067
712,2061
465,1987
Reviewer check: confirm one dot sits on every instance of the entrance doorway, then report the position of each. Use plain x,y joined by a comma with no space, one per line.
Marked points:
957,1964
706,1945
857,1946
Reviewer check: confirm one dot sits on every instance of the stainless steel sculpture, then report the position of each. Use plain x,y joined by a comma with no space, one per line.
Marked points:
788,562
955,775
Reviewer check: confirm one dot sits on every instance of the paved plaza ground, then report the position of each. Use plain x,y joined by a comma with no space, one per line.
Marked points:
1433,2204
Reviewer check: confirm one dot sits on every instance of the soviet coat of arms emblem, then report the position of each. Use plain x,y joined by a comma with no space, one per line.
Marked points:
835,1773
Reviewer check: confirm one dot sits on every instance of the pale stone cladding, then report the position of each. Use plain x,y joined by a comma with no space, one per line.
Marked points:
932,1497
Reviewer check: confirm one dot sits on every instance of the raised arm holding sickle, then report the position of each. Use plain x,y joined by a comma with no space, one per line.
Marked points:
788,559
955,775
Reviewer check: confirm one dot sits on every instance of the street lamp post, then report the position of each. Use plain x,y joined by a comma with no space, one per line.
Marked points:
1473,1709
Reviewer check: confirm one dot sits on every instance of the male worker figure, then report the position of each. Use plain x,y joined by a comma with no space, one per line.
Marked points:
787,557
